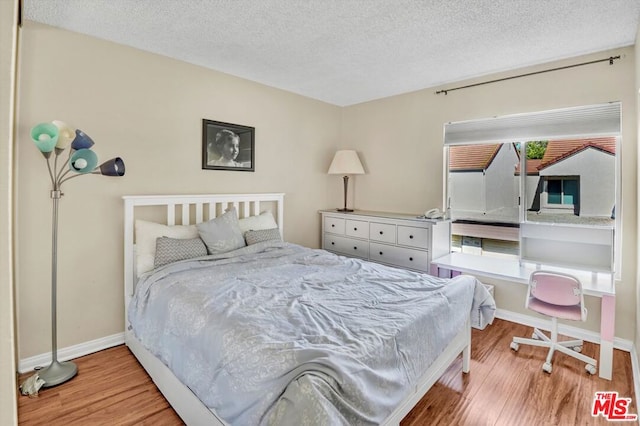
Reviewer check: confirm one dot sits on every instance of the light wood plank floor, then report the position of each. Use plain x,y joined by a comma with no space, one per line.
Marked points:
503,388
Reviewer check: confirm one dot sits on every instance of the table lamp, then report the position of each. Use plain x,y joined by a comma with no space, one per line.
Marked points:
346,162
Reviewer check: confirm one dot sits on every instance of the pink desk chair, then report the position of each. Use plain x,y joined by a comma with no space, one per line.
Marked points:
558,296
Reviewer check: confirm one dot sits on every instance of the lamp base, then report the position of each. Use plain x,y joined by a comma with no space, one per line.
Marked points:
344,210
57,372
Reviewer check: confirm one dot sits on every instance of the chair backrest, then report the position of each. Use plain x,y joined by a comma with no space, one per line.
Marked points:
556,288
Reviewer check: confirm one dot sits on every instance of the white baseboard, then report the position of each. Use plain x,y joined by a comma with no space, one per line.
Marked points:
578,333
29,364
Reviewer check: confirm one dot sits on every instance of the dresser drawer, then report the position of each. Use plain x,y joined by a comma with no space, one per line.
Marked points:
413,237
335,225
347,246
400,256
383,232
357,228
393,239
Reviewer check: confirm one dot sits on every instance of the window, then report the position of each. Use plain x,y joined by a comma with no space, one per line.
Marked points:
573,182
510,177
561,191
483,198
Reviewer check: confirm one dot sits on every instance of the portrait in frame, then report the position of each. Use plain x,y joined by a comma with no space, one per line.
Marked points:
227,146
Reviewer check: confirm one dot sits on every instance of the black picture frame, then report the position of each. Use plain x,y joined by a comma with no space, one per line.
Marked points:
217,135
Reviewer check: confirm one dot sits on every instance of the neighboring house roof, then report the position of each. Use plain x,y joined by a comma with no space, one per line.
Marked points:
561,149
472,158
533,167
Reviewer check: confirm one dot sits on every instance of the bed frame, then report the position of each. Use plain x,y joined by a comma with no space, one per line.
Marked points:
198,208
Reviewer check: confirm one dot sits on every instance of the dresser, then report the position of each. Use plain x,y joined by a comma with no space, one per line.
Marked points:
401,240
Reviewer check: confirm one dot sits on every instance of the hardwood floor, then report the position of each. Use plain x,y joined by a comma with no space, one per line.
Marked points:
111,388
509,388
503,388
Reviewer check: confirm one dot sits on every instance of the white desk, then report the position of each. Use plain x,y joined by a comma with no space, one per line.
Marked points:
598,285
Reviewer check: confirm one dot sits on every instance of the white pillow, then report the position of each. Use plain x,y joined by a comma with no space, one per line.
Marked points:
262,221
146,235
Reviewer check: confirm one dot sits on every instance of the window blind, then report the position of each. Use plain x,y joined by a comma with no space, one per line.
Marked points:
566,123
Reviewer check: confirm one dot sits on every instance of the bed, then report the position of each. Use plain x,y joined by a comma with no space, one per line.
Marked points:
276,333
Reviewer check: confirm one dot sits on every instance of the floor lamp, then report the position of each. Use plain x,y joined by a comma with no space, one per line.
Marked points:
54,138
346,162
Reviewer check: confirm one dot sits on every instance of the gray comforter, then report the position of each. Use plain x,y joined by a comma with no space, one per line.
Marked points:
275,333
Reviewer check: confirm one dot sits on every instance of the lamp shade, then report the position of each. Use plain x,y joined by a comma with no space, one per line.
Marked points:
346,162
45,136
82,141
113,167
65,134
83,161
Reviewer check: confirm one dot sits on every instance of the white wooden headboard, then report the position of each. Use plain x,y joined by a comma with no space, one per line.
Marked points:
192,209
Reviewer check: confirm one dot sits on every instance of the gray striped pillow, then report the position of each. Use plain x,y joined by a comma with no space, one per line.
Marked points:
169,250
252,237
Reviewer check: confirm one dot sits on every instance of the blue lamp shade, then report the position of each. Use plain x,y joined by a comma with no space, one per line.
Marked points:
65,134
45,136
113,167
82,141
83,161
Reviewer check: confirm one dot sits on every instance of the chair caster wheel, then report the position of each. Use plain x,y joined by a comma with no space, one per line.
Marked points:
546,367
591,369
515,346
577,349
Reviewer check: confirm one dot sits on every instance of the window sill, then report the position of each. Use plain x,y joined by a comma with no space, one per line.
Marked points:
594,284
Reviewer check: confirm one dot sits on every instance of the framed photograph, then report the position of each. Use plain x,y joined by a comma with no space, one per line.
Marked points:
227,146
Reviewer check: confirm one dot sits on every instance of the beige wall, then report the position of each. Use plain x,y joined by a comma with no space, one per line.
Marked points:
400,141
147,109
8,44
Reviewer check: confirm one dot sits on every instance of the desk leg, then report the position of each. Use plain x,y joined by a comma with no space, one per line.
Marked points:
607,331
434,270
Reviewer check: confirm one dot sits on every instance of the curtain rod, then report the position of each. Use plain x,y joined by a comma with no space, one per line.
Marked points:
610,59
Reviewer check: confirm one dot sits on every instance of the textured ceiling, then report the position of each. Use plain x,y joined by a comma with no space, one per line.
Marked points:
350,51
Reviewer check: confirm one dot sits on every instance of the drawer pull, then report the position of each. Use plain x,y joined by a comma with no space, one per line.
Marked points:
411,259
333,225
381,232
355,248
333,243
355,229
380,253
411,237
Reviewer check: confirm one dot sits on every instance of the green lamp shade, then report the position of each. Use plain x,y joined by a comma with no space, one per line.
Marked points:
65,134
45,136
82,141
113,167
83,161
